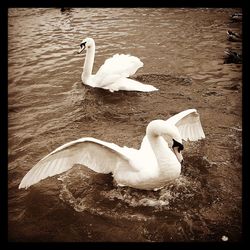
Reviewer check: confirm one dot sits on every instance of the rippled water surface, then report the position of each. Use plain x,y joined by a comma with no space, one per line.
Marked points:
183,54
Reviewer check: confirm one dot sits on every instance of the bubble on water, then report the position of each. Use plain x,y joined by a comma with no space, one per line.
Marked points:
224,238
95,193
92,206
135,198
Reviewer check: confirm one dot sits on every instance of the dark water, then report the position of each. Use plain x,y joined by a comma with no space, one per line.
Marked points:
182,51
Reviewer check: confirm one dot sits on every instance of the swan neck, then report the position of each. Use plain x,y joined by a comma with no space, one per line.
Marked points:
162,128
88,63
154,133
157,132
156,128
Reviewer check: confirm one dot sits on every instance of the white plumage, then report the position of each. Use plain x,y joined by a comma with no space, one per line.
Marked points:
113,74
150,167
189,125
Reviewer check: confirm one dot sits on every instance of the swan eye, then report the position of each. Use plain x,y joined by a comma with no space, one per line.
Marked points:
178,145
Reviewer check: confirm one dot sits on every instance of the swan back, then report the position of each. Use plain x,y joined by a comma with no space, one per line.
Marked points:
124,65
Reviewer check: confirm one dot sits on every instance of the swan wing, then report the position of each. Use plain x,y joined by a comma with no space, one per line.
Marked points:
100,156
113,74
119,65
189,124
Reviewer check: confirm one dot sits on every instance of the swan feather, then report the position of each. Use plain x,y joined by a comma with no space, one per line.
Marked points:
100,156
120,64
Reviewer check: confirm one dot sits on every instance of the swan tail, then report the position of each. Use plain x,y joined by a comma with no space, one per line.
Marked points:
127,84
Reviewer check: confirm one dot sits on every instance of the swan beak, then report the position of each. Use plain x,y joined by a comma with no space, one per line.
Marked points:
82,47
178,155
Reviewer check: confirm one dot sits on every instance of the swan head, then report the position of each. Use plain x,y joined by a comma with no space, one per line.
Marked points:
177,148
170,133
86,43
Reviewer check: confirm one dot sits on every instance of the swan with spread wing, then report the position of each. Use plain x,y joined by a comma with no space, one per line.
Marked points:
156,162
113,74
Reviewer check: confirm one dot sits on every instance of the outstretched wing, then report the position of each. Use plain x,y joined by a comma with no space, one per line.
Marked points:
189,124
100,156
120,65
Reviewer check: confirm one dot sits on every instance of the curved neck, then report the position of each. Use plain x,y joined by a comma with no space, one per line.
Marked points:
88,63
166,158
165,129
157,128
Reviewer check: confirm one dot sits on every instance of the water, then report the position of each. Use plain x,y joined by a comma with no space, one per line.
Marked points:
182,51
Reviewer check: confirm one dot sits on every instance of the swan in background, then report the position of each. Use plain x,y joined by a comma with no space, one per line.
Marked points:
156,162
233,36
113,74
232,57
236,17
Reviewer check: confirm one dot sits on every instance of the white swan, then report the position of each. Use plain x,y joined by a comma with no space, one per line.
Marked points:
113,74
156,162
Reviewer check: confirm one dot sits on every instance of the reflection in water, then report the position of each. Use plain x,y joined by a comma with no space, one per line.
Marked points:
183,54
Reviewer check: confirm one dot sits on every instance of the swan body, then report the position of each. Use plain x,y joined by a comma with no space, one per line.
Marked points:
113,74
157,161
